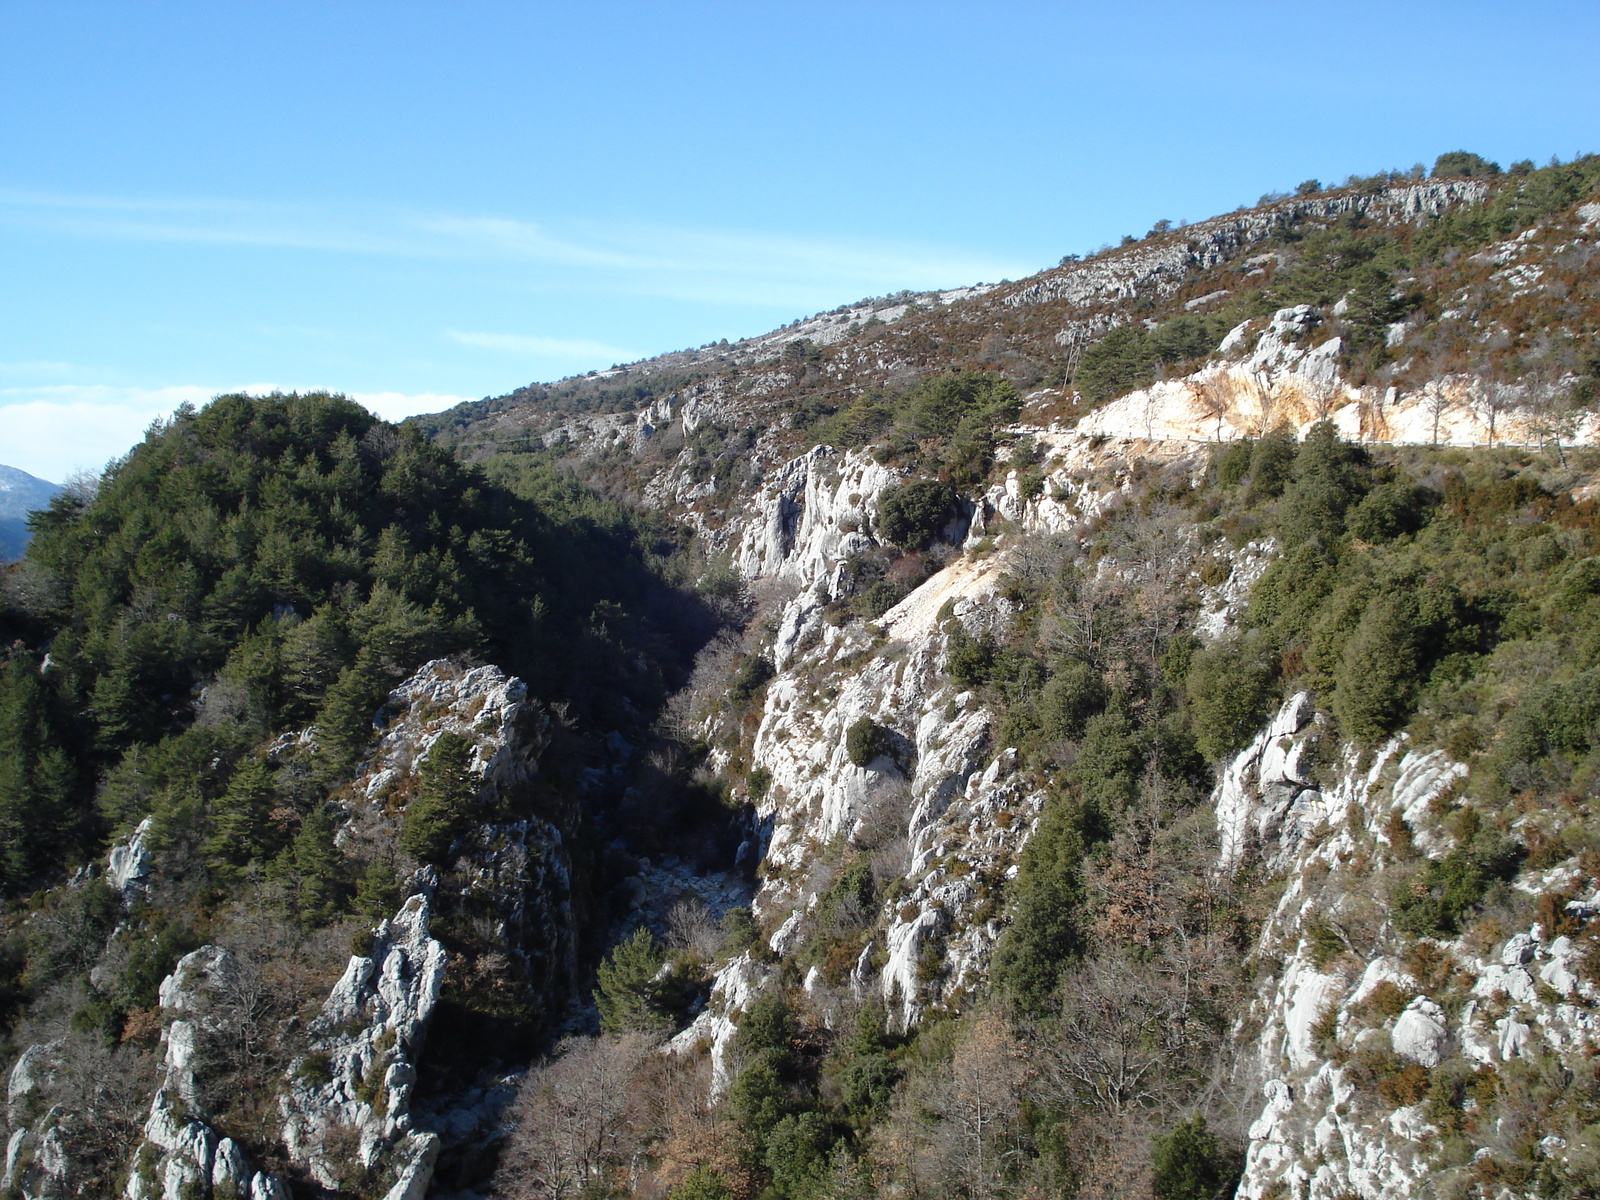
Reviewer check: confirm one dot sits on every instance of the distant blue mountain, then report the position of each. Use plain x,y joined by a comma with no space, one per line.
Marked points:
20,494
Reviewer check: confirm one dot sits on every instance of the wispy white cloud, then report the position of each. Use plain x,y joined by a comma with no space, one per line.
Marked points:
200,221
534,346
34,366
721,266
54,431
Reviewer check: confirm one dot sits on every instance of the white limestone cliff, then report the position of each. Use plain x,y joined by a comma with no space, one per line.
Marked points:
359,1069
1342,988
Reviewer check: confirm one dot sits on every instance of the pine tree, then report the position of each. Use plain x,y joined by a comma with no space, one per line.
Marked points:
626,997
1047,899
38,778
1325,484
117,706
868,1076
1271,462
1377,674
1109,761
377,893
314,869
445,798
241,819
1231,687
1189,1162
344,722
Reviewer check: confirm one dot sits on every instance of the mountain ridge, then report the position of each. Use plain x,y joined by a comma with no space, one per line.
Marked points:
20,494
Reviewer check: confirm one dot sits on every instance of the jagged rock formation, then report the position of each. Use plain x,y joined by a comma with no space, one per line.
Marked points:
183,1156
1301,810
128,864
346,1100
1330,1010
813,515
519,869
37,1162
938,806
350,1093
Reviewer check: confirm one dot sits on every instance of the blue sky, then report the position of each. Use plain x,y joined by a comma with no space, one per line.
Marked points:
417,203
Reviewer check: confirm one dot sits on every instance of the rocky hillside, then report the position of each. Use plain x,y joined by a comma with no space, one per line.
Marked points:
1131,731
898,764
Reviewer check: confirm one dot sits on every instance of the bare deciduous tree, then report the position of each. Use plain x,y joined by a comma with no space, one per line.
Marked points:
1437,402
958,1132
881,830
1134,1033
103,1098
688,710
1551,417
691,927
1490,398
576,1118
1211,399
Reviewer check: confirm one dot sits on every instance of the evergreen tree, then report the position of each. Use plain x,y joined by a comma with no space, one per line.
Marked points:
377,893
797,1149
703,1183
1190,1163
1377,673
1372,308
344,722
1109,762
1325,484
312,867
1074,694
1047,900
446,795
1231,687
912,514
759,1098
1271,462
116,705
313,652
241,819
767,1025
37,777
627,993
868,1075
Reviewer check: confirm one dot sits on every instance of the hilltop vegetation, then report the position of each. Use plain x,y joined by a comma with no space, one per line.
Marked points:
265,565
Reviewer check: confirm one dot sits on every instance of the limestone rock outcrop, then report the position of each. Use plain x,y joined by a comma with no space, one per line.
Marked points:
183,1156
351,1090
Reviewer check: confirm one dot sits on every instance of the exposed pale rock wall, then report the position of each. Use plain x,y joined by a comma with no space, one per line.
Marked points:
1283,373
183,1157
37,1164
1224,402
359,1069
128,863
1323,1131
948,797
810,516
